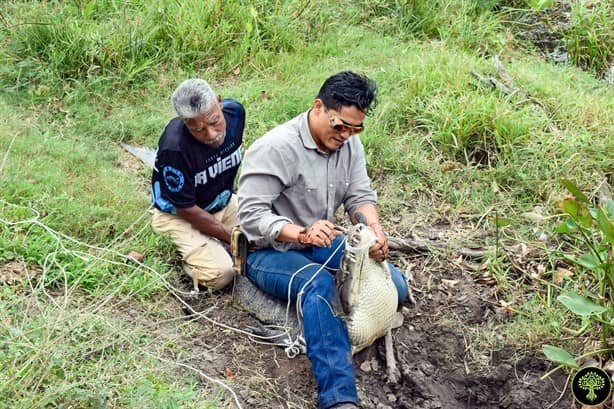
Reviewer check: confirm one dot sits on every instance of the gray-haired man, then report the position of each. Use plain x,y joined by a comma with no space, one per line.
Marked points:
198,157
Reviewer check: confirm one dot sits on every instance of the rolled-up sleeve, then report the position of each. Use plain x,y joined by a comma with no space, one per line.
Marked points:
263,177
359,191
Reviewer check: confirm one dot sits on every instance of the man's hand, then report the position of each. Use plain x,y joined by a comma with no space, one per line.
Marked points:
205,222
379,251
321,234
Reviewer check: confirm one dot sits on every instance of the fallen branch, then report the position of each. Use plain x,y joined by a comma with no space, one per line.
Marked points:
420,245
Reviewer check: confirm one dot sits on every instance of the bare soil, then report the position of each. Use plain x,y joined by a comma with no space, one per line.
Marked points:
441,367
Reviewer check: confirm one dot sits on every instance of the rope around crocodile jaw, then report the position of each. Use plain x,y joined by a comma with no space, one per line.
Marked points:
298,345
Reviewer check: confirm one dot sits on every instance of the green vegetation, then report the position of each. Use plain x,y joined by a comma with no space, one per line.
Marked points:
58,357
590,38
79,77
594,230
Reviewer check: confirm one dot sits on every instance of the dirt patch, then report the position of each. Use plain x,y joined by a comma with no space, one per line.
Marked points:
14,271
546,30
440,366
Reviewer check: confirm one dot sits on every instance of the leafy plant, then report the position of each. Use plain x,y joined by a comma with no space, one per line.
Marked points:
594,229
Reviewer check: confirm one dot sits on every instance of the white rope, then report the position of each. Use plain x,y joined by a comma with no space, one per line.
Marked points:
50,260
291,350
173,290
181,364
297,345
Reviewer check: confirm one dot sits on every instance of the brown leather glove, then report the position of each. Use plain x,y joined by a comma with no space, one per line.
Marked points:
321,234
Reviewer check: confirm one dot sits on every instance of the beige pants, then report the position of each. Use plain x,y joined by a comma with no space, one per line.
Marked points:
205,259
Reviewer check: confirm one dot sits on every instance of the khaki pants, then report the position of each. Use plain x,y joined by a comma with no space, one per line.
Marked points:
205,259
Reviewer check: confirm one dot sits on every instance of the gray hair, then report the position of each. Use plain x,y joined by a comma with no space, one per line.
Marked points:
193,97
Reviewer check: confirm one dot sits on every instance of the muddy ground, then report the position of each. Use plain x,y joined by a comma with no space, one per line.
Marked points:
441,366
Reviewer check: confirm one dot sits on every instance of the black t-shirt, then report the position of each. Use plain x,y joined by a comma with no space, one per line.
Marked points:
188,172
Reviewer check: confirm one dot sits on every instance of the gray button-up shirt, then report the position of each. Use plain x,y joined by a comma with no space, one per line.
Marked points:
285,178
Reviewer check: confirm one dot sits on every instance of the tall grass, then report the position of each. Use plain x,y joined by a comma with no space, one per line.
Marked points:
79,355
590,37
125,40
472,25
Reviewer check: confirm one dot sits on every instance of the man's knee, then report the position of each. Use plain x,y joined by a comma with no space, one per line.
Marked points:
224,278
323,288
212,269
323,284
213,278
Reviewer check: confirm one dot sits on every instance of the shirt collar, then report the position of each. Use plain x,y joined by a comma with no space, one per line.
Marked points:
305,133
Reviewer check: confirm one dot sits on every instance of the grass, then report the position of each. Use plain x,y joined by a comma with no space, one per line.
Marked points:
62,354
79,77
590,38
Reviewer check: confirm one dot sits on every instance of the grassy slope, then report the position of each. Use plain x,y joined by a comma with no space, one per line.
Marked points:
61,165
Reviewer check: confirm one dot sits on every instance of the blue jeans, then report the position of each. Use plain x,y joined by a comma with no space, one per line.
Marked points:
326,336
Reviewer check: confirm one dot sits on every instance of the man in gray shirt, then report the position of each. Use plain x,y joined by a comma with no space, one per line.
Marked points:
293,180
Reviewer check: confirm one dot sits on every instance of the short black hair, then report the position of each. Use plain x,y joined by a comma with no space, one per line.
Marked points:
348,88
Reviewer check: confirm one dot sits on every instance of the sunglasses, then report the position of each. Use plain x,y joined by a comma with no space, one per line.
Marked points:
343,126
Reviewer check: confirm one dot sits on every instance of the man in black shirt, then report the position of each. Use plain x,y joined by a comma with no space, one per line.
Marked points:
198,157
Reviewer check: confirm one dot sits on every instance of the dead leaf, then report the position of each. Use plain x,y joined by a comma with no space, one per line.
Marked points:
486,279
366,366
524,250
450,166
13,272
228,373
533,216
449,283
236,70
562,273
